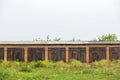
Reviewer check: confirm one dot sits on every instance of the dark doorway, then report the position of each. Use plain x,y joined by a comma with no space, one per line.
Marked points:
114,53
97,53
78,54
15,54
35,54
56,54
1,54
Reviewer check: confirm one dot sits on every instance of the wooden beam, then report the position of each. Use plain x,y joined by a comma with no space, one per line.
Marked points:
5,54
67,54
26,54
58,46
107,54
46,53
87,55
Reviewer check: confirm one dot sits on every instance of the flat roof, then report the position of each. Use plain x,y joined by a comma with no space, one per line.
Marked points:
63,42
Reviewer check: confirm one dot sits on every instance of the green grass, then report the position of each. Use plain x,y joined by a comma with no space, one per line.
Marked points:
46,70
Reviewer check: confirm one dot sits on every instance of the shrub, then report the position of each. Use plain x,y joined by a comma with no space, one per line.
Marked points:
75,63
61,64
100,63
6,64
38,64
43,64
118,61
95,64
25,68
47,64
16,63
103,62
4,73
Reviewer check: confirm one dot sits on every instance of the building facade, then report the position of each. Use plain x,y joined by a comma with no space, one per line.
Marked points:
85,52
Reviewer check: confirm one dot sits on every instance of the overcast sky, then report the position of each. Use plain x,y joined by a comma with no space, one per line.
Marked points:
82,19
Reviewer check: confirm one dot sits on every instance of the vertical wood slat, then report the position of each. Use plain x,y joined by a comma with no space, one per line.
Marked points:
67,54
87,55
5,54
26,54
46,53
107,54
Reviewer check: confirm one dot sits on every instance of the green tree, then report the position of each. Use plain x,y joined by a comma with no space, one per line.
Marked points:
108,37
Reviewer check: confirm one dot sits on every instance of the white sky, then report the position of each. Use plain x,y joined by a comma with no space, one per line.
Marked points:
82,19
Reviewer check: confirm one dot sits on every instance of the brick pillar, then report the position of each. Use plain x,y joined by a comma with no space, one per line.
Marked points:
46,53
26,54
87,55
107,54
67,54
5,54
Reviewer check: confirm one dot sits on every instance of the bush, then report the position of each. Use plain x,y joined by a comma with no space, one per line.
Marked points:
25,68
100,63
4,73
16,63
43,64
47,64
38,64
75,63
118,61
103,62
61,64
6,64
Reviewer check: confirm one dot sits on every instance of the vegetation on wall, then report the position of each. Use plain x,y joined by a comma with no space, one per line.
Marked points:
106,37
48,39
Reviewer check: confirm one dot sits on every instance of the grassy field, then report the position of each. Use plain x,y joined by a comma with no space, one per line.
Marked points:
45,70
